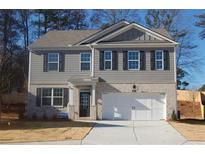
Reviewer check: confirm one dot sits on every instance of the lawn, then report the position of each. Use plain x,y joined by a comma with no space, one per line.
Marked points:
193,130
37,131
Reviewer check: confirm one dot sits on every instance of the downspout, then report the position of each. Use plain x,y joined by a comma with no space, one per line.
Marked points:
93,57
29,82
29,70
177,112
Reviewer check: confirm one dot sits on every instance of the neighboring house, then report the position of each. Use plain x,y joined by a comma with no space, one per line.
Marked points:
125,71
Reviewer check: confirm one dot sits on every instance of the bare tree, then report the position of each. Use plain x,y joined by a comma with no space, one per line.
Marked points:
187,58
105,18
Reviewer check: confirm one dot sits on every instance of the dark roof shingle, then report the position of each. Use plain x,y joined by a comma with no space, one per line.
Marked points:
63,38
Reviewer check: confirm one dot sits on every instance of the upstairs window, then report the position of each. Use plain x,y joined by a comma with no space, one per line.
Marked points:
108,60
85,61
133,60
53,61
159,59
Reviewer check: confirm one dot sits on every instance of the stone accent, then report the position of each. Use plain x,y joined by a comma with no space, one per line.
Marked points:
168,89
96,111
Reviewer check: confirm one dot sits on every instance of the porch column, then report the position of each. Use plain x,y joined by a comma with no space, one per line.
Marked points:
71,95
93,94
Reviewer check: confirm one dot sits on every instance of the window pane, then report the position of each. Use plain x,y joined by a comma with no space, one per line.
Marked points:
133,55
53,66
46,92
108,55
85,66
85,57
53,57
107,64
159,64
133,65
57,101
159,55
57,92
46,101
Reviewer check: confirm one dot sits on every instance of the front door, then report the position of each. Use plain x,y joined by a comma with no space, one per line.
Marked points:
84,104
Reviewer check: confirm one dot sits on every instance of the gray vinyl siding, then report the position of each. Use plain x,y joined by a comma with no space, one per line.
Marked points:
141,76
132,34
72,68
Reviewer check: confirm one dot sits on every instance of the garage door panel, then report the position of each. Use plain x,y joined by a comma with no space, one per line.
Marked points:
133,106
115,112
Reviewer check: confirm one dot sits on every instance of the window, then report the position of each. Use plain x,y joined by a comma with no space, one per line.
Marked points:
159,62
85,59
52,97
133,60
108,60
53,61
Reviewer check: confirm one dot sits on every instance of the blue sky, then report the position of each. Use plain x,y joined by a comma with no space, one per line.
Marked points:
197,77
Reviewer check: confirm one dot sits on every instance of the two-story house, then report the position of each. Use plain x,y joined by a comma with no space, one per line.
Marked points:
125,71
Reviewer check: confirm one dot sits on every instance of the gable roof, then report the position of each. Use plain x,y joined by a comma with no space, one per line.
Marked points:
103,32
150,32
62,38
66,38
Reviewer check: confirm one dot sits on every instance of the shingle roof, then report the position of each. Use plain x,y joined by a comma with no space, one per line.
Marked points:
163,32
63,38
56,38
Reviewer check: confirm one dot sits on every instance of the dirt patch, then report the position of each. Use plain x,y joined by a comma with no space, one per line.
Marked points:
192,130
28,131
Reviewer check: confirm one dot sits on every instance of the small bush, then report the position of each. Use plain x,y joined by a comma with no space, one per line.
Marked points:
44,116
34,116
55,117
174,116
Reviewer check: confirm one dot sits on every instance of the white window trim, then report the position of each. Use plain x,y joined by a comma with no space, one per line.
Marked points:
161,60
138,60
52,97
107,60
85,61
54,63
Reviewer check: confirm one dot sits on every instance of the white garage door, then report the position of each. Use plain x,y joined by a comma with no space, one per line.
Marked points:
133,106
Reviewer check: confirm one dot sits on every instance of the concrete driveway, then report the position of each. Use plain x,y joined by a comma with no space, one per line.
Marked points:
133,132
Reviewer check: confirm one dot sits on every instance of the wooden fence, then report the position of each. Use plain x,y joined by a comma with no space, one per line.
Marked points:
190,104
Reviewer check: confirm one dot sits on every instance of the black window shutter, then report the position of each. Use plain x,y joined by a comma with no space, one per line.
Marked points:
61,62
125,60
38,97
45,62
65,97
142,60
114,60
166,60
152,59
101,60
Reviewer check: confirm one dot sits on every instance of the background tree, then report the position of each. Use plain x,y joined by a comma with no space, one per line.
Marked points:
202,88
186,58
201,23
105,18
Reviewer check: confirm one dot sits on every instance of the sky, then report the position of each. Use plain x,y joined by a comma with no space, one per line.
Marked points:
197,76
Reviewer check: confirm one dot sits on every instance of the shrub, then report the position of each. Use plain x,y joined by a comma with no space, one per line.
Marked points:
34,116
174,116
55,117
44,116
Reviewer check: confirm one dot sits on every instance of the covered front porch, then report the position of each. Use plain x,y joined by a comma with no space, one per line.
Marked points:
82,98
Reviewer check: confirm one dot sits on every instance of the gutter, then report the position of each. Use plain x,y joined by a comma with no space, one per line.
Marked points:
29,70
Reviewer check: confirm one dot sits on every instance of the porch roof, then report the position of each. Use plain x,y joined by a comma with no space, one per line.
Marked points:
83,81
